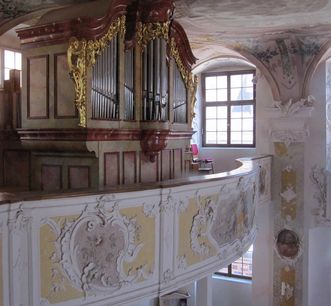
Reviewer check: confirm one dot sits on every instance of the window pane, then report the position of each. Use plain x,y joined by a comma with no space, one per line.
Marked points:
211,112
222,95
236,81
222,125
210,137
210,82
222,112
247,80
18,61
236,125
222,81
247,93
236,137
247,138
237,267
7,74
211,125
248,124
221,138
236,111
210,95
248,111
236,94
9,59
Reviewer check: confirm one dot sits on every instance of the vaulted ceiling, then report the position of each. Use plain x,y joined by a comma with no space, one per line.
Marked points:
210,23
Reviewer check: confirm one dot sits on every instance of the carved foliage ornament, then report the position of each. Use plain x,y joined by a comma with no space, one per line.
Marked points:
96,246
149,31
190,81
82,54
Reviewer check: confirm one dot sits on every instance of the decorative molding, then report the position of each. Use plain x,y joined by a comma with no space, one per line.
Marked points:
202,223
191,82
93,134
288,195
181,263
92,231
167,276
81,55
290,107
153,141
20,221
149,31
286,291
318,178
289,136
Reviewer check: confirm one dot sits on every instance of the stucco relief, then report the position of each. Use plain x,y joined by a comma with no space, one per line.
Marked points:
96,245
234,216
225,219
319,180
288,136
292,107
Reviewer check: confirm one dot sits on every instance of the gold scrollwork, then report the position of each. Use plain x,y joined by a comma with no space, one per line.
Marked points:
82,54
191,81
149,31
76,54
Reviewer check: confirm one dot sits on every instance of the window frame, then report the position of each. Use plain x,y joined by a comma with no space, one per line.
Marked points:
228,103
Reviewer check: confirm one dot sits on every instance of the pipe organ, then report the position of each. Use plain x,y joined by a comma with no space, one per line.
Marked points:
104,92
155,81
110,99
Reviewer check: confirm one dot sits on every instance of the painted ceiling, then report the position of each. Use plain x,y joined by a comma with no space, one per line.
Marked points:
212,25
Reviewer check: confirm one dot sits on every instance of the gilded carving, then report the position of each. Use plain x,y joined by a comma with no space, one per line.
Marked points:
190,81
76,54
81,55
149,31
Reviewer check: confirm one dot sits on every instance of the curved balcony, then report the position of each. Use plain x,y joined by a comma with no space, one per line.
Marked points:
114,247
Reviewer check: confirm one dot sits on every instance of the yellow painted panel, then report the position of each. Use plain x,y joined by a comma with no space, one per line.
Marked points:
55,287
287,276
186,219
280,149
146,256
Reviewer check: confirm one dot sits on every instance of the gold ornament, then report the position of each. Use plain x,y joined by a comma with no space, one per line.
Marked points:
81,55
191,81
149,31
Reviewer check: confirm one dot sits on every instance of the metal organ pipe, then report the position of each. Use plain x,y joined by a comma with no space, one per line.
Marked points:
104,77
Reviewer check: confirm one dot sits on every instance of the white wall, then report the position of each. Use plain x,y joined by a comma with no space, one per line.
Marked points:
319,284
231,293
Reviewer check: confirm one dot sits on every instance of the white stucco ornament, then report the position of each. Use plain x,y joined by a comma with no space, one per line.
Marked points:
95,247
291,107
289,120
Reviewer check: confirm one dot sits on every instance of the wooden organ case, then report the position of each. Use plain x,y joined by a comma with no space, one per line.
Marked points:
133,92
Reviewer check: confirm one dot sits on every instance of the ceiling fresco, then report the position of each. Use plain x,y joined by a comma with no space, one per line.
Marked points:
255,14
16,8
